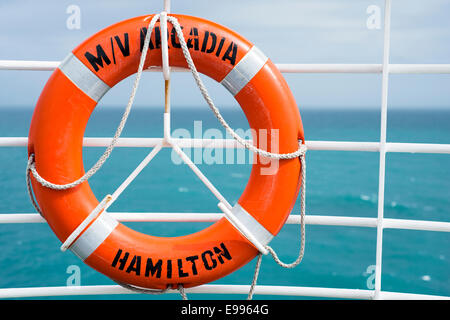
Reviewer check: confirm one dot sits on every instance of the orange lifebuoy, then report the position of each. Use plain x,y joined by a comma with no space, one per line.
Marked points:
56,137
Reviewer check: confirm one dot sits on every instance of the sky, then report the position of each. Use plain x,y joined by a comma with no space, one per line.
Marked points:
307,31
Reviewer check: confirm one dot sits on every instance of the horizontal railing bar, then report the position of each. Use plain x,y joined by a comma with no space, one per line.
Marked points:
328,68
375,146
215,289
365,68
283,67
424,225
28,65
195,217
417,147
136,142
344,146
231,143
210,289
386,295
416,225
419,68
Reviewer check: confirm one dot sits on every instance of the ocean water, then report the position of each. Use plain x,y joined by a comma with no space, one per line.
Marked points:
338,183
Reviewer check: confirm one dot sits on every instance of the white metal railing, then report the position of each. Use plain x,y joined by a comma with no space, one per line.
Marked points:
283,67
229,143
383,132
217,289
380,222
424,225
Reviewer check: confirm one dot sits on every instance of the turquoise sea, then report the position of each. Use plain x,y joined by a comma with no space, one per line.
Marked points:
338,183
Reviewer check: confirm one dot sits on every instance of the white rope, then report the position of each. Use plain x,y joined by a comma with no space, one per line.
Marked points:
182,292
255,277
29,187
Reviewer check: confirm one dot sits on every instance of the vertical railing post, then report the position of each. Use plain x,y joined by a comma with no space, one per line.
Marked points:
167,6
165,70
383,130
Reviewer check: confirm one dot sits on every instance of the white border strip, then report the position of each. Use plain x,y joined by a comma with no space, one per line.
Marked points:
248,226
83,77
244,71
94,236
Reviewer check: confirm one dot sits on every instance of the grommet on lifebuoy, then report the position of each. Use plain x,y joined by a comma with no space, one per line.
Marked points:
56,137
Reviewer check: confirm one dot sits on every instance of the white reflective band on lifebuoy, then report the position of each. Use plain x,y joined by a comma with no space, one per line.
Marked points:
83,77
244,71
262,235
94,236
